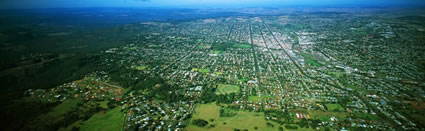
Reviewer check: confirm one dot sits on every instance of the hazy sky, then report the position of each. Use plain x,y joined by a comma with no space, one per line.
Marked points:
196,3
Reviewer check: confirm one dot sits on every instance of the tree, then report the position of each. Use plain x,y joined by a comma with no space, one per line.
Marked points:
280,128
303,123
315,124
200,122
75,128
269,124
291,127
208,95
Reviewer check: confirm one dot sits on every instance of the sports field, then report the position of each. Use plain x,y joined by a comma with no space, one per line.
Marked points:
258,98
226,89
241,46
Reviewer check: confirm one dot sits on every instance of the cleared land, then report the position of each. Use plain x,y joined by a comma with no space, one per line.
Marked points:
64,107
334,107
109,121
311,60
326,116
243,120
336,74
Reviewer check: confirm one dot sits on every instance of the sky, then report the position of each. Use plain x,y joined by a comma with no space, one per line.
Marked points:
13,4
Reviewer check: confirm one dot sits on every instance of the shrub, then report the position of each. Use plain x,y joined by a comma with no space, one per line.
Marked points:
200,122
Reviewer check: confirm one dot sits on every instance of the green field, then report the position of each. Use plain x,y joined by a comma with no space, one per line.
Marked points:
310,59
133,48
244,79
241,46
204,46
298,128
104,104
258,99
195,69
243,120
380,75
218,73
359,31
111,121
56,115
64,107
141,67
207,111
204,70
215,52
226,89
60,110
336,74
356,88
322,115
334,107
366,116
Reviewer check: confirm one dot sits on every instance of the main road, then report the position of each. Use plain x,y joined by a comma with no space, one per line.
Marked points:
257,70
